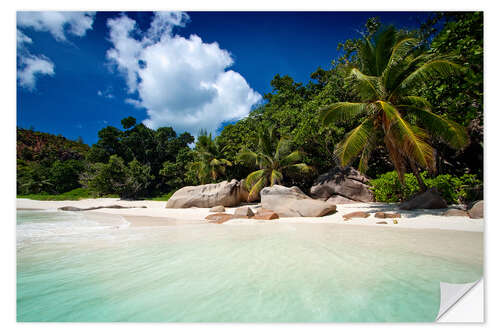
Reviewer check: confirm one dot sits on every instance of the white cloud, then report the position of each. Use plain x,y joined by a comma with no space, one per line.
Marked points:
22,39
31,67
181,82
105,93
57,23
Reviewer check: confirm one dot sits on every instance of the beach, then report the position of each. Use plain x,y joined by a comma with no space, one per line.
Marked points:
155,214
158,264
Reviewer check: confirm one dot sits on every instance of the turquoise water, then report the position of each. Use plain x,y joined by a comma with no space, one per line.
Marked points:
73,269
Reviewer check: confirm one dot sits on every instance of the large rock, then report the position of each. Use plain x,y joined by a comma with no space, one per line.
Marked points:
228,194
292,202
429,199
342,185
477,210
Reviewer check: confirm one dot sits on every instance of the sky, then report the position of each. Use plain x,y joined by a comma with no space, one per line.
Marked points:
78,72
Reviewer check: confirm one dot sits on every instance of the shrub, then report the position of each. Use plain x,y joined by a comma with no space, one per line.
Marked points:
115,177
467,188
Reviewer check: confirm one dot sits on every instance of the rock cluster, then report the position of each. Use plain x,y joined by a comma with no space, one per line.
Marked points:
243,213
342,186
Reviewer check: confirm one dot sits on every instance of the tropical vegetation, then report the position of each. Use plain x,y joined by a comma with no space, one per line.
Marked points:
273,158
392,101
394,64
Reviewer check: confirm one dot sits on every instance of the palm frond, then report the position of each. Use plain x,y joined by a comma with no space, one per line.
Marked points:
367,87
398,60
223,161
293,157
366,153
366,55
299,167
254,177
415,101
341,111
410,139
384,42
276,177
353,143
431,70
256,188
449,131
283,147
248,157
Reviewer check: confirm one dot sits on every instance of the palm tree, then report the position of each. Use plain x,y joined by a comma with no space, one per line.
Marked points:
273,156
392,67
209,164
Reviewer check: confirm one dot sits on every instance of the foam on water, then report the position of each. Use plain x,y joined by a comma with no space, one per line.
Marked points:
73,269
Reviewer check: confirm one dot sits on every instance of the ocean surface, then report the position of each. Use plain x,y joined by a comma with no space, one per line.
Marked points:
72,269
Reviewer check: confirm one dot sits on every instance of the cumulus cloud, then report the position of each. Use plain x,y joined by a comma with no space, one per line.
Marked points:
31,67
181,82
57,23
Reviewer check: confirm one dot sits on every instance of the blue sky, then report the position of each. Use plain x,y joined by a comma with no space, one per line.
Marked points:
79,72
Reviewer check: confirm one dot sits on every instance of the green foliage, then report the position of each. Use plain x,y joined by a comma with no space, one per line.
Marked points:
115,177
64,175
163,197
273,158
459,98
47,163
138,179
149,147
76,194
464,189
391,66
208,164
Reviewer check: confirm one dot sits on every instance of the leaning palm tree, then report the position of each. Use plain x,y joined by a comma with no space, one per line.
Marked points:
208,165
393,65
273,157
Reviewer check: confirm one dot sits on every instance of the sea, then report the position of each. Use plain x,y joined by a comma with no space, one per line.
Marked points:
71,268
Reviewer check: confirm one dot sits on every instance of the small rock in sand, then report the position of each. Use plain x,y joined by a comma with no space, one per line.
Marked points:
355,215
381,222
382,215
244,211
456,212
217,209
270,215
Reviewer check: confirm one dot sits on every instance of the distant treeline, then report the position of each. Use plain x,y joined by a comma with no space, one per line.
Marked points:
136,161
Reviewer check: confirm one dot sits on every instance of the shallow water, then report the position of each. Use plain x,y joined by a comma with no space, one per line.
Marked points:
72,269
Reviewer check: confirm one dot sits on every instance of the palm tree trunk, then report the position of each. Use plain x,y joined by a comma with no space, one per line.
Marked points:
420,181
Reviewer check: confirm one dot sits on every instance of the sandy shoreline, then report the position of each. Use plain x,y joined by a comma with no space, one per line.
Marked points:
155,214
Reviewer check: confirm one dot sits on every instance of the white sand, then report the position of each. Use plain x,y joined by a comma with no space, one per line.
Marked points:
421,219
